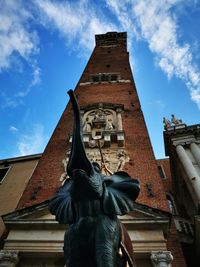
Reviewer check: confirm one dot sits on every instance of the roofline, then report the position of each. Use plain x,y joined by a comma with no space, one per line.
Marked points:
137,206
21,158
167,158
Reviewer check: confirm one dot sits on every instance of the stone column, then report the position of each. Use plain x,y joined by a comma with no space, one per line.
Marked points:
187,164
119,119
196,152
193,182
161,258
8,258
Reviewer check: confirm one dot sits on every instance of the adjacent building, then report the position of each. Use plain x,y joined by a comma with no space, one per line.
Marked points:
14,176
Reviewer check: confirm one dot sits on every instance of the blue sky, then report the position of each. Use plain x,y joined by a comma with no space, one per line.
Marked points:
45,45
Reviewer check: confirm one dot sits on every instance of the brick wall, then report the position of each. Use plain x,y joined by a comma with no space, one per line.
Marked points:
167,181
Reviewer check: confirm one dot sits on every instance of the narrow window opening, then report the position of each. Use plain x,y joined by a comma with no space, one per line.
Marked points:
161,172
3,172
95,78
104,78
113,77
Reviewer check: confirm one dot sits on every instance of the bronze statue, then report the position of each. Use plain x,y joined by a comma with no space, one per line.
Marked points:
90,202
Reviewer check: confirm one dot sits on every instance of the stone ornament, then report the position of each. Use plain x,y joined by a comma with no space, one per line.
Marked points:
8,258
114,159
173,122
122,159
87,126
167,123
161,258
102,122
99,119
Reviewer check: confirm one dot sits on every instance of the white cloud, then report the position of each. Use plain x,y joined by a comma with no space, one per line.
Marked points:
15,37
18,98
122,11
13,129
156,23
18,43
9,101
36,76
36,79
76,21
32,142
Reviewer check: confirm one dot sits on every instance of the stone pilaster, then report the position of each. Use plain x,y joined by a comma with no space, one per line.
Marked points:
119,119
8,258
161,258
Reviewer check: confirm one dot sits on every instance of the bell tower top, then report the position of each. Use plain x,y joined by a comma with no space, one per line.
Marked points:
111,38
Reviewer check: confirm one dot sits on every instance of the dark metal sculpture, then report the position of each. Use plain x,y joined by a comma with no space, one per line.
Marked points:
90,202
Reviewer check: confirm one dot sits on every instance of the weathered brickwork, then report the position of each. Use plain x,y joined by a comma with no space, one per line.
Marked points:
173,245
142,164
167,181
173,240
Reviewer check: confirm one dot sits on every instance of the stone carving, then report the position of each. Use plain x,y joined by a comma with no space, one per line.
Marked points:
102,123
161,258
87,126
109,125
175,121
90,202
64,175
99,115
93,143
167,123
114,159
8,258
100,119
122,159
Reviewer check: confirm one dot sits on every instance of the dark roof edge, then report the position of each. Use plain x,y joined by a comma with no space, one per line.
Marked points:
21,158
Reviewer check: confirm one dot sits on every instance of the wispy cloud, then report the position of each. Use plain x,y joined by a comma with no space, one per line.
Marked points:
14,100
9,101
76,21
156,23
32,142
18,43
36,79
16,39
13,129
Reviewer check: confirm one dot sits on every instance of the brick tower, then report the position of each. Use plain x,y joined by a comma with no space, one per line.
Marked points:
111,112
106,86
